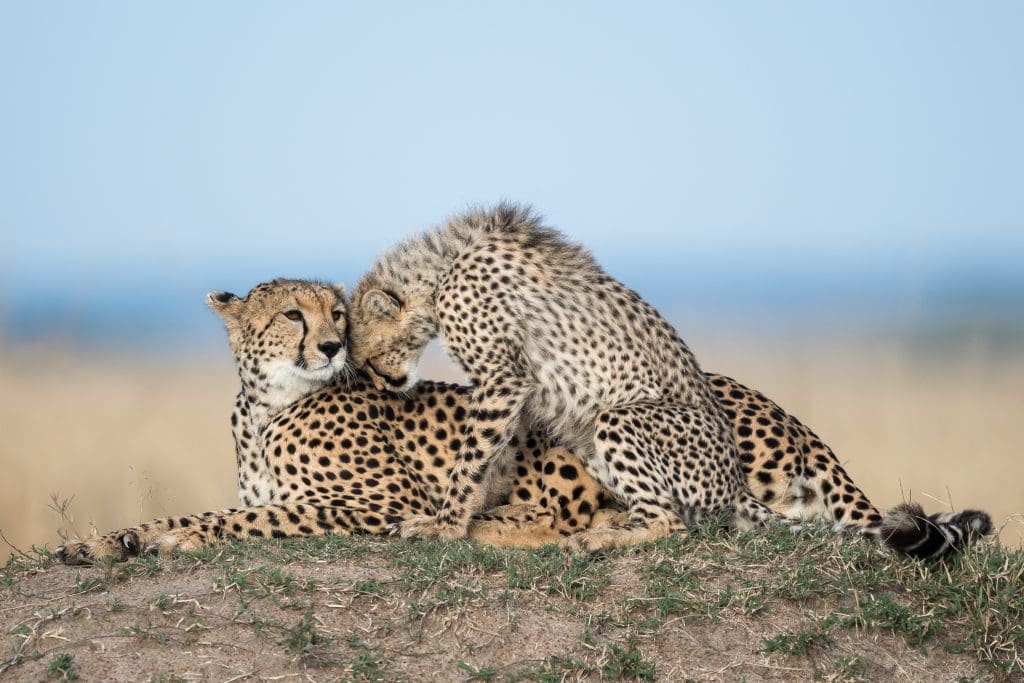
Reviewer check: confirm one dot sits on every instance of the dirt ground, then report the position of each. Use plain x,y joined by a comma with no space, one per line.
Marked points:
377,609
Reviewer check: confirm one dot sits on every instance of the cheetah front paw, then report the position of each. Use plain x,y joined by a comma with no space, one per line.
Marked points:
608,537
115,547
607,517
590,541
575,544
428,527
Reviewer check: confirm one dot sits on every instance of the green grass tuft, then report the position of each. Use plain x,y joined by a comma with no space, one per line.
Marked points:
62,666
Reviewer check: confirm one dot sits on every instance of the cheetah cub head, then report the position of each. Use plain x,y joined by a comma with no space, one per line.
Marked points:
387,334
288,337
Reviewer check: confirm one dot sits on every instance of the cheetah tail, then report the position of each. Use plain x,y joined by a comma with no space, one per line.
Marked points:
908,530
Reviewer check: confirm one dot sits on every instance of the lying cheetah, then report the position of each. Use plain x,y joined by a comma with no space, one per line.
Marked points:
286,423
552,341
316,455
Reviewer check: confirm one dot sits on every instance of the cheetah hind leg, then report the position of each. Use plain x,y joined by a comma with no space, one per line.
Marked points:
558,498
642,523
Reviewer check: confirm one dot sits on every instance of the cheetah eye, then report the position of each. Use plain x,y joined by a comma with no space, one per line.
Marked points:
336,315
293,315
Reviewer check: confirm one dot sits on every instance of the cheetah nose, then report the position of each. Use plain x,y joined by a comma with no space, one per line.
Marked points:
329,348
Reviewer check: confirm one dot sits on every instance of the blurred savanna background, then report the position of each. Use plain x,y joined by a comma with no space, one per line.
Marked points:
826,199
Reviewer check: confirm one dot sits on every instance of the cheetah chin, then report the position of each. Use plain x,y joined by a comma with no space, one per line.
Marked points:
326,371
384,382
291,381
323,372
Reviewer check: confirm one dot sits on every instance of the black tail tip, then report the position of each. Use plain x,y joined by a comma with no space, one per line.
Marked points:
909,530
977,522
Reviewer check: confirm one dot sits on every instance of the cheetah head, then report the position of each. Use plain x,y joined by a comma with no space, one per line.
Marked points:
387,335
288,336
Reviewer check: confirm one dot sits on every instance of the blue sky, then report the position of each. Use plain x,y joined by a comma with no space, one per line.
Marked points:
754,152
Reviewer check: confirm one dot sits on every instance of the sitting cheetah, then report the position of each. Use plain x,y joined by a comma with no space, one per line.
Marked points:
285,426
553,342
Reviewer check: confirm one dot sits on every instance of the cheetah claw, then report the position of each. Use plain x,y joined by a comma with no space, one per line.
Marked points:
112,547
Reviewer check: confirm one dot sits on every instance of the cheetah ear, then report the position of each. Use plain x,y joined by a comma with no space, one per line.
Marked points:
224,304
381,304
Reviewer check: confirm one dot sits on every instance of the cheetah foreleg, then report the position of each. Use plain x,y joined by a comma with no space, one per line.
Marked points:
495,406
273,521
118,546
172,534
641,524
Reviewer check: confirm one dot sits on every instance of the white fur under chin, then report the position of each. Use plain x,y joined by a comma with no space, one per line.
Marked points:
412,377
288,383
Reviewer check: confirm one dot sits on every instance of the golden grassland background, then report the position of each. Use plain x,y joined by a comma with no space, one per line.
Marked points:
128,439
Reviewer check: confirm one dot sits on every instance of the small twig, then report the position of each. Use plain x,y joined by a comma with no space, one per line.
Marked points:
14,547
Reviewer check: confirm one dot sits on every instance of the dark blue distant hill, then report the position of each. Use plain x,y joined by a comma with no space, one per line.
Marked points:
167,313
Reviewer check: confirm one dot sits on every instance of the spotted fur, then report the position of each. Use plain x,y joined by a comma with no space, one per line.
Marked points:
552,342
